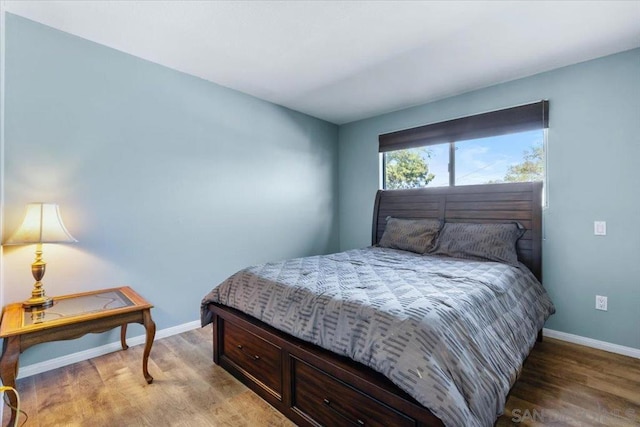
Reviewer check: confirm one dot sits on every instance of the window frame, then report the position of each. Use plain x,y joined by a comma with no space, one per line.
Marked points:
506,121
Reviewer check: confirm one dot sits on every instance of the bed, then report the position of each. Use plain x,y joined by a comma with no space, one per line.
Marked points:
328,374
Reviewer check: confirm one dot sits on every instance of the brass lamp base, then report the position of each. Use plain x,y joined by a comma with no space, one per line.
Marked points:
38,298
35,303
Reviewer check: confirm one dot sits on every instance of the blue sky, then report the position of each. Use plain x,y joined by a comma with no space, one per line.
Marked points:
481,160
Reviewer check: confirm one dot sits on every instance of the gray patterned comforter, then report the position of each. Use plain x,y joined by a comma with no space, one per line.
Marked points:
452,333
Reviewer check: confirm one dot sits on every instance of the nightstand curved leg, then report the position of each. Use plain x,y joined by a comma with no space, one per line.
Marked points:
123,337
150,327
9,370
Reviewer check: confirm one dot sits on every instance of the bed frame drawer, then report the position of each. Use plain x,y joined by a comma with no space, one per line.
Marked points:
295,377
253,356
330,402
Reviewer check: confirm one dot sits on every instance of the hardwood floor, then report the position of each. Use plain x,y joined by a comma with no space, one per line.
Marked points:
110,390
561,384
564,384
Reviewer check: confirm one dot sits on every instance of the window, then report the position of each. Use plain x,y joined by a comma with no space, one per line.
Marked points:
500,146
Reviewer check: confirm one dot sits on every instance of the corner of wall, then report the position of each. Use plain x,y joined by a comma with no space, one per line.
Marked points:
2,92
2,50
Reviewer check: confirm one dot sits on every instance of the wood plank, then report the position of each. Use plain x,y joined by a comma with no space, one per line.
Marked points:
505,216
528,235
398,196
524,245
494,197
407,214
524,205
527,224
414,205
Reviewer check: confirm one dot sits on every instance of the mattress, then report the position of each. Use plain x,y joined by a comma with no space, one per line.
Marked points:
452,333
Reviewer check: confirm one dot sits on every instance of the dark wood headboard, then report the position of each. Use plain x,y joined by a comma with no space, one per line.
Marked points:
521,202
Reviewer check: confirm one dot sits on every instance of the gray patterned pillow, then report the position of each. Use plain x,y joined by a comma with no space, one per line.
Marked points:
414,235
492,242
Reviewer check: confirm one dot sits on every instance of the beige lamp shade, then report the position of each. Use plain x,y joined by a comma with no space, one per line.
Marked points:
41,224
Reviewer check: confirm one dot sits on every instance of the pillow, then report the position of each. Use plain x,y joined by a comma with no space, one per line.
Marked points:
414,235
492,242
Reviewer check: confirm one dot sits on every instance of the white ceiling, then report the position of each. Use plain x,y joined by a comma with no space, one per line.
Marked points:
347,60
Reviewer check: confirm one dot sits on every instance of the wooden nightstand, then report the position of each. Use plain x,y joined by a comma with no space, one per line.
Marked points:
70,317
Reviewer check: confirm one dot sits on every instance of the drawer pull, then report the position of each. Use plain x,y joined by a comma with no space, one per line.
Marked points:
358,422
251,356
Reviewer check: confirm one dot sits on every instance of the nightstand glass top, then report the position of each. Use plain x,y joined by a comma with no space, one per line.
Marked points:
77,306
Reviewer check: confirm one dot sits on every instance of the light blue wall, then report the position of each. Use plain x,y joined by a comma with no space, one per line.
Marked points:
593,174
169,182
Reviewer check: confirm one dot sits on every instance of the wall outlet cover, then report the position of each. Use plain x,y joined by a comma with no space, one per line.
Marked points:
601,303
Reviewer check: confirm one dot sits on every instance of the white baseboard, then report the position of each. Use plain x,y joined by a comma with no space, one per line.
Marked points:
590,342
59,362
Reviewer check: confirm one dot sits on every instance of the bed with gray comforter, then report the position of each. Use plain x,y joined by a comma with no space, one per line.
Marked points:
452,333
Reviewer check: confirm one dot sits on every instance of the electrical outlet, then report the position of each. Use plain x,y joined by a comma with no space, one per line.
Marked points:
601,303
600,228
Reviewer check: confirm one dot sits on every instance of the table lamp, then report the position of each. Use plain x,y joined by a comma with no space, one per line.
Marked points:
41,224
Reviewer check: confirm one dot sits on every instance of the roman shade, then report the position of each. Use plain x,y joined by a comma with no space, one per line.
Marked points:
501,122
